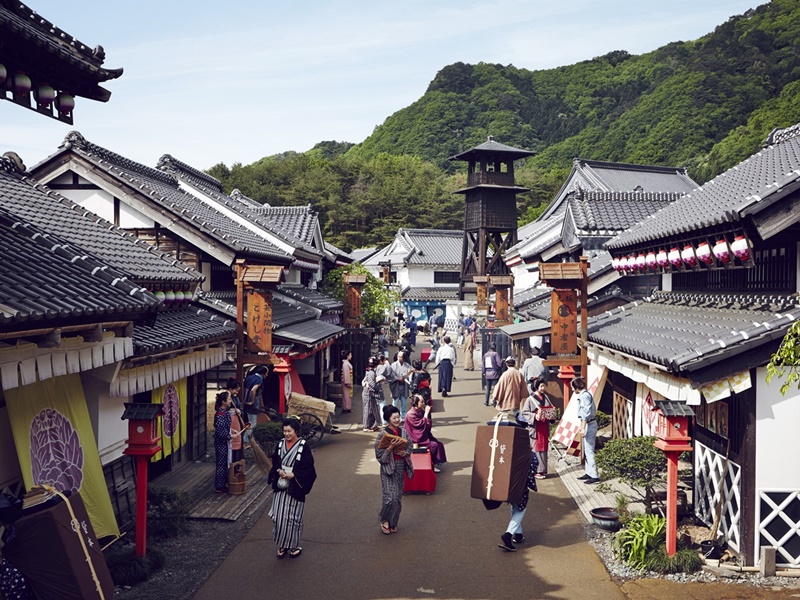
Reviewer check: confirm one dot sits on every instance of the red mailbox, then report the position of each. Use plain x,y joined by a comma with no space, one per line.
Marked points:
673,428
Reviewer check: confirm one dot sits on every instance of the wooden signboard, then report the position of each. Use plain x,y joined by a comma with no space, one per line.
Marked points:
259,321
564,321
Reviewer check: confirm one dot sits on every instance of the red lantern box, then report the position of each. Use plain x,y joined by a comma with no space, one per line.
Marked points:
142,425
673,425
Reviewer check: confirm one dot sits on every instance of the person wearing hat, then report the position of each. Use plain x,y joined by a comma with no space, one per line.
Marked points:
511,388
491,366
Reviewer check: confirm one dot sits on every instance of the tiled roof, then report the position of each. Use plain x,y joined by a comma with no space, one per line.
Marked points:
430,293
310,333
39,206
540,308
608,213
530,295
685,332
141,411
45,280
490,146
182,328
728,198
361,254
255,214
162,188
541,238
72,59
297,221
435,246
313,298
595,175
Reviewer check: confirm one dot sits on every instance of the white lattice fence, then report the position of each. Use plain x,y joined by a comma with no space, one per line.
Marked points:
623,417
708,469
778,517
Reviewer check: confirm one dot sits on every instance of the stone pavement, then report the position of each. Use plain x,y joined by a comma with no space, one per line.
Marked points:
446,546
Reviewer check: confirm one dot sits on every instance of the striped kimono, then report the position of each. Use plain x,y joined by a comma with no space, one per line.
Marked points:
288,505
392,470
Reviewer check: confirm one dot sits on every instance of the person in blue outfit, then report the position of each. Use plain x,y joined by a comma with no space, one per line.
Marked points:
253,397
491,366
587,414
412,329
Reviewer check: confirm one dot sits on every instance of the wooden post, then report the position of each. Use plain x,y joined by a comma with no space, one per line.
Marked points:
142,462
584,316
239,322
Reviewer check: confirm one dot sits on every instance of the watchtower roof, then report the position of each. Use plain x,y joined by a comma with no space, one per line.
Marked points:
490,147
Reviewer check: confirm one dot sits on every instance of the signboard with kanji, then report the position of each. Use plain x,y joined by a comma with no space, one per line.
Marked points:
259,321
564,321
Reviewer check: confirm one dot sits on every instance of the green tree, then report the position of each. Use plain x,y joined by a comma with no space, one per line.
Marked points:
376,299
785,363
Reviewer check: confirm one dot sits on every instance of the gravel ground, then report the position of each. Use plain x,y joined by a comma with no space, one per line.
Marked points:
190,558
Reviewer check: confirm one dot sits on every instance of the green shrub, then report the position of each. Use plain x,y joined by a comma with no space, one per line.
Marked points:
685,560
128,569
268,434
622,506
603,420
643,535
167,512
634,461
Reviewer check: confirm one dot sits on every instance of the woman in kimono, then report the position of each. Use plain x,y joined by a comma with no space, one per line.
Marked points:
538,412
292,476
222,438
347,381
420,383
418,424
395,461
469,347
370,396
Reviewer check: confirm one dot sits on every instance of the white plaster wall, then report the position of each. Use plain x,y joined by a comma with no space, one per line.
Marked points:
105,413
99,202
777,418
420,277
524,279
9,464
666,282
130,218
292,276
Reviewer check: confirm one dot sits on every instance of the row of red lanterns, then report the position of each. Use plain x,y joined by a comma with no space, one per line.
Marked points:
690,257
44,94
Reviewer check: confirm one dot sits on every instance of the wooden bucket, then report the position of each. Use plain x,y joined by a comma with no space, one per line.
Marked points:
236,481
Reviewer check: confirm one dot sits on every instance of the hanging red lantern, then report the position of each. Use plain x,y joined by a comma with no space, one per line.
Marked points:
661,258
722,251
650,259
674,257
688,256
45,94
741,248
3,73
65,103
22,84
704,253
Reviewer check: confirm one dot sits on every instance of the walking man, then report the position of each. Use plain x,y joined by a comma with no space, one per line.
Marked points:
490,367
533,368
253,397
401,371
511,388
445,359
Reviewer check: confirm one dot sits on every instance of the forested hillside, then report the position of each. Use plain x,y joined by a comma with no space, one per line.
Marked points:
704,104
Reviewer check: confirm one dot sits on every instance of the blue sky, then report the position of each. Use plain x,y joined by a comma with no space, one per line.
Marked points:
212,82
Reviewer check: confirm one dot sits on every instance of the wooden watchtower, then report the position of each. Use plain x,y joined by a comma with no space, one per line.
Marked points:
490,211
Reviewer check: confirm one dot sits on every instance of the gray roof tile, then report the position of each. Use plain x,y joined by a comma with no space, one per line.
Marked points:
684,332
162,188
313,298
182,328
727,198
430,293
608,213
55,214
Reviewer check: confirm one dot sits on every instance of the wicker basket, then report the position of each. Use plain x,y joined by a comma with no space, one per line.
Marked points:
236,479
300,403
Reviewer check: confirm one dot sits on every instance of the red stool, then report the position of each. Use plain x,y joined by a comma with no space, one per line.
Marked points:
424,478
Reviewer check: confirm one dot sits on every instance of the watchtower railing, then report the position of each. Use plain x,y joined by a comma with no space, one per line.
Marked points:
490,178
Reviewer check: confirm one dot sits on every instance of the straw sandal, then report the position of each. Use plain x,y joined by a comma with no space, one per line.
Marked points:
385,528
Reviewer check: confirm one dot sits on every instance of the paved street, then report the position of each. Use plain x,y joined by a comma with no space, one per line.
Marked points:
446,546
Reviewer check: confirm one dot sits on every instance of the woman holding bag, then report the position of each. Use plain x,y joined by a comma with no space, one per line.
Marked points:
292,477
395,461
538,412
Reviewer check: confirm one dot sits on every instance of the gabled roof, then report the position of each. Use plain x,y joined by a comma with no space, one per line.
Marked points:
362,254
731,198
608,213
298,221
35,204
181,208
686,332
423,247
599,176
45,280
258,218
541,234
313,298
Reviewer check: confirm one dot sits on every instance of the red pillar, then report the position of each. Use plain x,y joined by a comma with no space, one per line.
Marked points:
141,504
566,373
282,369
672,501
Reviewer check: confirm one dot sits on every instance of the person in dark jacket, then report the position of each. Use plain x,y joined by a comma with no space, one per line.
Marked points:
292,476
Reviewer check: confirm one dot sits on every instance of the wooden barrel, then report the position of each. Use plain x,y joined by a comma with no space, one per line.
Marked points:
334,393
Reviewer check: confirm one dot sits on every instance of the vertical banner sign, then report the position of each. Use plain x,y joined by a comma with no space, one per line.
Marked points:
501,305
259,321
386,275
173,425
564,321
355,302
481,291
56,444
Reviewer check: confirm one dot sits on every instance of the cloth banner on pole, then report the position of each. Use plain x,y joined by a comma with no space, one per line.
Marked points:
568,431
646,417
172,426
56,445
